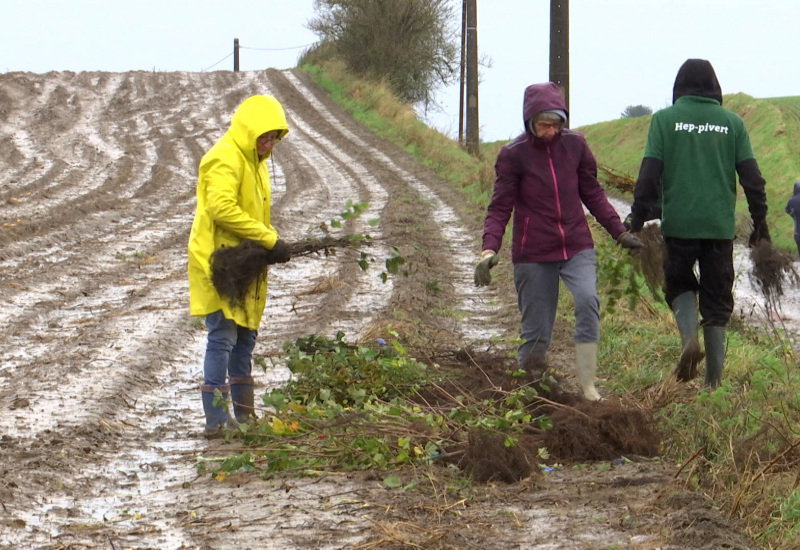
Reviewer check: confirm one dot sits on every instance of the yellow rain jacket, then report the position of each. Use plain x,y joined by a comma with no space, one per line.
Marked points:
233,198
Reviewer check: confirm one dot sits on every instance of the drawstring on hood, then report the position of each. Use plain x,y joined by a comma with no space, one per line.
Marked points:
696,77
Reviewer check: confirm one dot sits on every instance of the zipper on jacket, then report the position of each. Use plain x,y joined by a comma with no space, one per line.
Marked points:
558,203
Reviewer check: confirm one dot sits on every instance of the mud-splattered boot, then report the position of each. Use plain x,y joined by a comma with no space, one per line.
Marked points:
217,417
715,355
534,363
242,398
684,307
586,364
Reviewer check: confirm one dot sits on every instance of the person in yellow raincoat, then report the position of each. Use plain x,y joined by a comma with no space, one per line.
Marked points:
233,202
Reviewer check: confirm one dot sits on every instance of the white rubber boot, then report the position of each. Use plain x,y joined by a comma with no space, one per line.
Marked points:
586,364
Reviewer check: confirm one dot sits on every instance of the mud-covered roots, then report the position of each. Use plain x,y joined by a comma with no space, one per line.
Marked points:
615,179
602,431
578,431
772,269
651,258
235,268
489,458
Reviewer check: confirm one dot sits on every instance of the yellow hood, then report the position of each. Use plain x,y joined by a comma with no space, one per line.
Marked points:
256,115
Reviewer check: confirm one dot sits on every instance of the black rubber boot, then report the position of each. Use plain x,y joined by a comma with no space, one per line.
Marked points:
534,362
242,396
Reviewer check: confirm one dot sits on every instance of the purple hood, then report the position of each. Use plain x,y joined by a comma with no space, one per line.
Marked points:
541,97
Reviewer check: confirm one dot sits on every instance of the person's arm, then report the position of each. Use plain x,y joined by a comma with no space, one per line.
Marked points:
646,192
593,196
222,192
753,183
504,196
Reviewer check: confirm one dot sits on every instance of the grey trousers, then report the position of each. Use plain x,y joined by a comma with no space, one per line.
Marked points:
537,297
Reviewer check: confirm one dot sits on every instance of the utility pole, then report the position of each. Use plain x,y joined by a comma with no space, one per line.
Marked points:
236,55
559,46
461,80
473,137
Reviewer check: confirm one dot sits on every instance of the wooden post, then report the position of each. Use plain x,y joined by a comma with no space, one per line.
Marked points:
461,81
559,46
236,55
473,137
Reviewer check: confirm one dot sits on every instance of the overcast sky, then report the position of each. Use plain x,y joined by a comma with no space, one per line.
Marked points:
622,52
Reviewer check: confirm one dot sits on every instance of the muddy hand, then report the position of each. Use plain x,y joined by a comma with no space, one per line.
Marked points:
482,271
279,254
630,242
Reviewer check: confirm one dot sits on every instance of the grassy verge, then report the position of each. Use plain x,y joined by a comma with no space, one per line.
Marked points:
738,445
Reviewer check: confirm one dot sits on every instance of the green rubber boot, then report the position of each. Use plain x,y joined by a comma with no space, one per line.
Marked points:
684,307
715,355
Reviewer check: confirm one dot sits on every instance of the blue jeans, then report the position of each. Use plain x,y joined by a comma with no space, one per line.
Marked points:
537,298
229,350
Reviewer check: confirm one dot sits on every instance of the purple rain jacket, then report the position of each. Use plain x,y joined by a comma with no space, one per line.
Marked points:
546,186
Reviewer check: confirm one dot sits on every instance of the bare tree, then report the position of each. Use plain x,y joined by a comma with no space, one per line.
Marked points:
409,44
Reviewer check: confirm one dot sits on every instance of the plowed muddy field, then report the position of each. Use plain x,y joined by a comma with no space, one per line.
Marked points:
100,363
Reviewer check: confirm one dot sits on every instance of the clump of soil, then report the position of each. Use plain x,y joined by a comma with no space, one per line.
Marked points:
581,431
772,269
600,431
488,458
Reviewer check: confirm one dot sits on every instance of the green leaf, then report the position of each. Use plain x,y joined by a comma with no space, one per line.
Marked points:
392,482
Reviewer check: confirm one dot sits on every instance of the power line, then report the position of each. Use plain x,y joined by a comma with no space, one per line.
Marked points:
277,49
217,63
258,49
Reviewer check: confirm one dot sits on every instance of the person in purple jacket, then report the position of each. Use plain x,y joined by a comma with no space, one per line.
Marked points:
793,209
545,176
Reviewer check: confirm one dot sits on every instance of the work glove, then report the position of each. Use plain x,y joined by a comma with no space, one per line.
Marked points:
627,222
630,242
279,254
760,232
488,260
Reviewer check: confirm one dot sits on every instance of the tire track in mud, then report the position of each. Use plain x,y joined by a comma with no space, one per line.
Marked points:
475,310
99,360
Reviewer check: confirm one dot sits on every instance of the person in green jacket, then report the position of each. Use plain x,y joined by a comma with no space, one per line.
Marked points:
694,151
233,204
